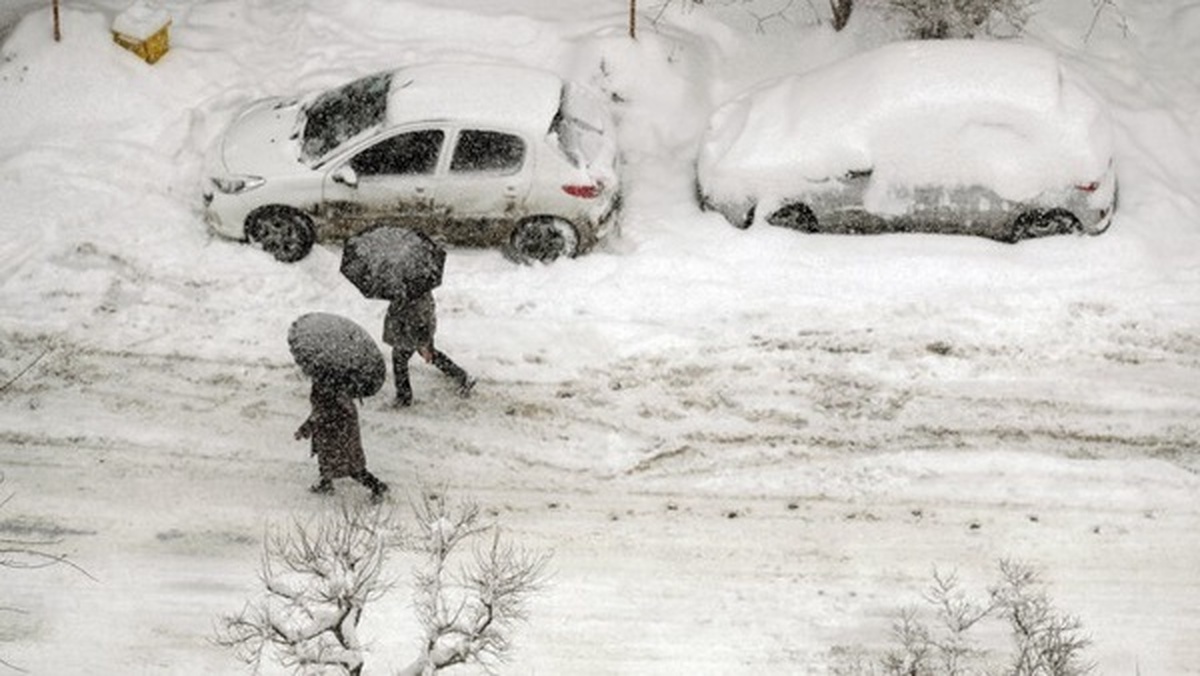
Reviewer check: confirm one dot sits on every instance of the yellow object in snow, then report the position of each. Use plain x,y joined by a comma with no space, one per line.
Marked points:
143,28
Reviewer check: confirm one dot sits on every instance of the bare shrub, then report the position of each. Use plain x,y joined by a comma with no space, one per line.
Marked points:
938,639
1107,7
28,554
317,576
468,615
1047,643
941,19
766,13
947,647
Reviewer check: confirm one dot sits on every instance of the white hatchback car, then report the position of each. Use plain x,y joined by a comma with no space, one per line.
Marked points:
470,154
971,137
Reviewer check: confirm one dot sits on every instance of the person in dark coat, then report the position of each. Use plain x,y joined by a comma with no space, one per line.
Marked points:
409,327
336,439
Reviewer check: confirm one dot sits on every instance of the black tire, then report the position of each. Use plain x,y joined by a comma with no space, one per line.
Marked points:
794,216
284,232
543,239
1044,223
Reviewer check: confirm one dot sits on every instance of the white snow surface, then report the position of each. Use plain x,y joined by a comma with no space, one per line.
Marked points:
747,449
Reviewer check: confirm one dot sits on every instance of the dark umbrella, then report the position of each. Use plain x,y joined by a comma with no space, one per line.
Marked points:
334,349
393,263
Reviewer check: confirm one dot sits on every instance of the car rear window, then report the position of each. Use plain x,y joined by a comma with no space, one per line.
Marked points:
340,114
579,127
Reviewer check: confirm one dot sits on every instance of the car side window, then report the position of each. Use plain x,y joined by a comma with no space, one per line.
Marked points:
409,153
490,152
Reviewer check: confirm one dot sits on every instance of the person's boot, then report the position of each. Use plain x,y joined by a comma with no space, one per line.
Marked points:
465,385
322,487
377,487
404,395
446,365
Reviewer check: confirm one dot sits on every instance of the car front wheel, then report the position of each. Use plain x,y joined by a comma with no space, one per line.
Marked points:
1043,223
285,233
543,239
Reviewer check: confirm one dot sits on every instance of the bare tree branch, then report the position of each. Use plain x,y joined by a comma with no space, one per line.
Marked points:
26,555
470,616
317,578
1045,642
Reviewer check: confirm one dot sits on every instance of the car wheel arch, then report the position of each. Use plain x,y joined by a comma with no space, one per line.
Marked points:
1039,222
284,231
794,215
542,238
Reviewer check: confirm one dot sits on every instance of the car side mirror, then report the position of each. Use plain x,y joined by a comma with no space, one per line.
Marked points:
346,176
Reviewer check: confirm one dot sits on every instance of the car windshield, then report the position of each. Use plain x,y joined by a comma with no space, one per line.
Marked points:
340,114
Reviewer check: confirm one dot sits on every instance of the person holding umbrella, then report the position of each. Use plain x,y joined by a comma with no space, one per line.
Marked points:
343,362
409,327
403,266
337,440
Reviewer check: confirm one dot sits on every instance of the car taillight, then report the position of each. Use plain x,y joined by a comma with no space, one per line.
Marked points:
1088,187
585,191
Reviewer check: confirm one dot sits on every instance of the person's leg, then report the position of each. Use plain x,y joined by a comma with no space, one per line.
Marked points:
404,395
325,473
447,366
377,487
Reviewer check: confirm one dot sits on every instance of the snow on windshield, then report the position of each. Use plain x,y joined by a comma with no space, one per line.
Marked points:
340,114
1001,115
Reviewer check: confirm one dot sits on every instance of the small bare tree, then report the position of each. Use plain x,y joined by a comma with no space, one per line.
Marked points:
941,19
28,554
468,616
946,648
318,577
1046,642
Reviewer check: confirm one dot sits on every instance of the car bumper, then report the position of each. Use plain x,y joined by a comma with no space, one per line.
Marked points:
224,214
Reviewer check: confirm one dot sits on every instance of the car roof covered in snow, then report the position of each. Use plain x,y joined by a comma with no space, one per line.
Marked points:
999,114
507,96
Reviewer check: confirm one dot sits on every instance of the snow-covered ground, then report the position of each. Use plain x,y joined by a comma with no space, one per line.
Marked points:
747,449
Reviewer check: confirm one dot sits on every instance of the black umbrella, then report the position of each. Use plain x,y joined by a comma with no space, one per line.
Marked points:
393,263
333,349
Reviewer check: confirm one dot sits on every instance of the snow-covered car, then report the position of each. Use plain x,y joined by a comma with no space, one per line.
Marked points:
971,137
470,154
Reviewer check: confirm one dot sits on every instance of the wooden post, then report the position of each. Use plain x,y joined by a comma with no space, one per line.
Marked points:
57,24
633,19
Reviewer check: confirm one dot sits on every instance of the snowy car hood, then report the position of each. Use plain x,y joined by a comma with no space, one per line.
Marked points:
259,141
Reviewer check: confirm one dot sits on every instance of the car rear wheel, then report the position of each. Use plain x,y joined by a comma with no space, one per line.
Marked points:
1044,222
795,216
543,239
284,232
